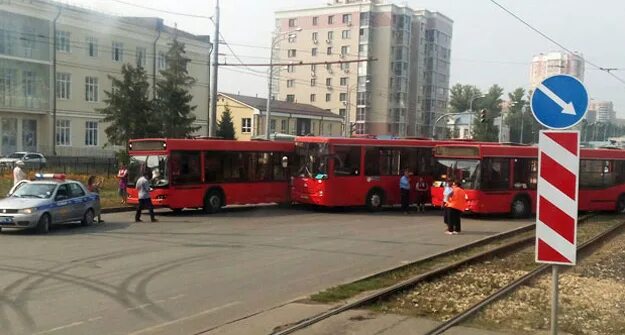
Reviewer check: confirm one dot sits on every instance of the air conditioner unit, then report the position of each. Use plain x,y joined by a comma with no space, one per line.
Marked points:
312,74
346,70
343,56
329,87
329,41
349,24
315,41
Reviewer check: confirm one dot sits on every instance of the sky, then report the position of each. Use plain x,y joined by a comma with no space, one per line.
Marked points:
488,45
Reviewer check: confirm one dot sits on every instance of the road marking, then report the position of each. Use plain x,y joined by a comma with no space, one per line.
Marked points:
74,324
137,307
567,107
193,316
176,297
95,319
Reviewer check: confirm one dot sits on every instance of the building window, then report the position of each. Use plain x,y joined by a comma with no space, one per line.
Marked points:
313,67
63,85
315,36
331,19
141,57
63,132
344,50
313,52
91,89
328,81
283,126
346,34
292,23
91,133
328,97
118,52
290,68
62,41
292,38
330,128
272,126
7,86
330,35
343,81
329,67
360,114
342,112
29,78
329,52
347,18
161,60
315,20
345,66
343,97
290,97
292,52
246,125
313,97
290,83
92,47
313,82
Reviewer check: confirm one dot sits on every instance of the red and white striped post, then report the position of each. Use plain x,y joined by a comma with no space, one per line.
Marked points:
557,203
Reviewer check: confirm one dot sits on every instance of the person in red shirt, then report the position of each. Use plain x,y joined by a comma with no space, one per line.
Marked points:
456,205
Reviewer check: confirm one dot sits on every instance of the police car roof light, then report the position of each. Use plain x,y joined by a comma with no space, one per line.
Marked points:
58,176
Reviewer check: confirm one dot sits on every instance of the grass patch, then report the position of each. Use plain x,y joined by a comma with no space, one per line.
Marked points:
108,194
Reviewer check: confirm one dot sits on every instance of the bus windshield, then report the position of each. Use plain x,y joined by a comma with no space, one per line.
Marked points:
157,164
313,160
465,171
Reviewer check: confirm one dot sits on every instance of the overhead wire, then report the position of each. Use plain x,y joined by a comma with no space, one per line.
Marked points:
163,10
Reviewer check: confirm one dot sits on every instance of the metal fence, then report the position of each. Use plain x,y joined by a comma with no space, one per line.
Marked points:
82,165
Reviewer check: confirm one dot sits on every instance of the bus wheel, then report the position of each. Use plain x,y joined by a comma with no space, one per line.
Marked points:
520,208
620,204
375,200
213,201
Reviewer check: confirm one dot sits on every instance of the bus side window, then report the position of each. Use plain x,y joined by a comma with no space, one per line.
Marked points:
496,174
347,161
372,159
186,167
213,171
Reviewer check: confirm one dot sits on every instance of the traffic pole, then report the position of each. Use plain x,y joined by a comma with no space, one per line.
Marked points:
212,119
554,299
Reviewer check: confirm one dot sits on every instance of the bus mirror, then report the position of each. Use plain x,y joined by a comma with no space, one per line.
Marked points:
285,162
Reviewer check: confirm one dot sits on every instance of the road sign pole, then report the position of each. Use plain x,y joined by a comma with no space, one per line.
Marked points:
554,300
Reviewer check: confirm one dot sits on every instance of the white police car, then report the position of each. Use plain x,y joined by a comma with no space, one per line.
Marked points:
48,200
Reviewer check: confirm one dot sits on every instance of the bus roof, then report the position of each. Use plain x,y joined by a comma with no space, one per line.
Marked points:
163,144
373,141
514,151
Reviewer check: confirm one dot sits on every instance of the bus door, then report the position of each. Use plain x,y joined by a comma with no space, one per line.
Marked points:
346,186
495,184
382,169
186,180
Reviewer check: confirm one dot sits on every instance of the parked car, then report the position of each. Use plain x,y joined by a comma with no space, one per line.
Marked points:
33,160
39,204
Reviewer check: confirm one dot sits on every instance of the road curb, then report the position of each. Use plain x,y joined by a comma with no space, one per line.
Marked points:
117,210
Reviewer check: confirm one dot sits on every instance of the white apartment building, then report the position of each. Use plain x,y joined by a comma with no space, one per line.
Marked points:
400,92
603,111
90,47
552,63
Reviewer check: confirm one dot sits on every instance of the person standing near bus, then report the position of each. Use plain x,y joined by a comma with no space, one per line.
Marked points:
446,193
456,205
422,188
143,190
404,188
18,172
122,177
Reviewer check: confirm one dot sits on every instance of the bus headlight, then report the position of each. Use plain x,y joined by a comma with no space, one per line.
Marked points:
27,210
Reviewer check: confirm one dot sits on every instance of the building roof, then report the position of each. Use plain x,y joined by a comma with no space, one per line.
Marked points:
280,106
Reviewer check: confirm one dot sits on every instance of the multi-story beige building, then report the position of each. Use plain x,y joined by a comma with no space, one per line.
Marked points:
90,47
403,88
602,110
552,63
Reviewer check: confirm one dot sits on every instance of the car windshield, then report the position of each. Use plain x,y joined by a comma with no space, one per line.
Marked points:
30,190
313,160
156,164
466,171
17,155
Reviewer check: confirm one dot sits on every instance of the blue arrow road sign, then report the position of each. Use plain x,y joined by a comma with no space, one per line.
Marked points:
559,102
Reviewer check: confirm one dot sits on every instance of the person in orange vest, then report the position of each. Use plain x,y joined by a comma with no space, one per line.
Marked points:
456,205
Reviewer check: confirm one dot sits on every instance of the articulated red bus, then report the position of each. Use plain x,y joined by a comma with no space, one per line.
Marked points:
357,171
210,174
503,178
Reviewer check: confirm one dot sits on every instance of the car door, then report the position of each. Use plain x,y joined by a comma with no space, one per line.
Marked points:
78,201
61,209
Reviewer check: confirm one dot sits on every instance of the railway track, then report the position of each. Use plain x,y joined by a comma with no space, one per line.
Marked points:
441,271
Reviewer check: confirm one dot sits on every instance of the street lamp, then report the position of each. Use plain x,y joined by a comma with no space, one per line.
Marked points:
473,98
274,40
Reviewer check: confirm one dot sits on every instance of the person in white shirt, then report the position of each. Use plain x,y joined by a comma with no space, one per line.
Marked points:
18,172
143,190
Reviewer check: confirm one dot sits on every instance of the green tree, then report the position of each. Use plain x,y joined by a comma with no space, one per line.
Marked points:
128,109
173,100
460,97
515,118
491,102
225,126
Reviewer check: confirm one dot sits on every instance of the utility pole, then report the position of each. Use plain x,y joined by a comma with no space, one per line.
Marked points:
348,126
212,119
269,90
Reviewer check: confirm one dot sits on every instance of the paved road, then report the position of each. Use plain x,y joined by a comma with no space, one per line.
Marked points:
193,272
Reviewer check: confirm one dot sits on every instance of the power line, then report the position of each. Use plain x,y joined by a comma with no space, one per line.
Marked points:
164,11
607,70
300,63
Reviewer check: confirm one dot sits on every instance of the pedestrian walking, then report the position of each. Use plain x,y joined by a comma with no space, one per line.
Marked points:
422,188
122,177
94,186
18,172
457,204
143,190
404,188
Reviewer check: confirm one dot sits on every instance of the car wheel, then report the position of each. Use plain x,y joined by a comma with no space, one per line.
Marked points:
520,208
43,226
213,202
375,200
87,218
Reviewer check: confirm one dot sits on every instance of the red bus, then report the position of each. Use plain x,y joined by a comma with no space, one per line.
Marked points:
210,174
357,171
503,178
